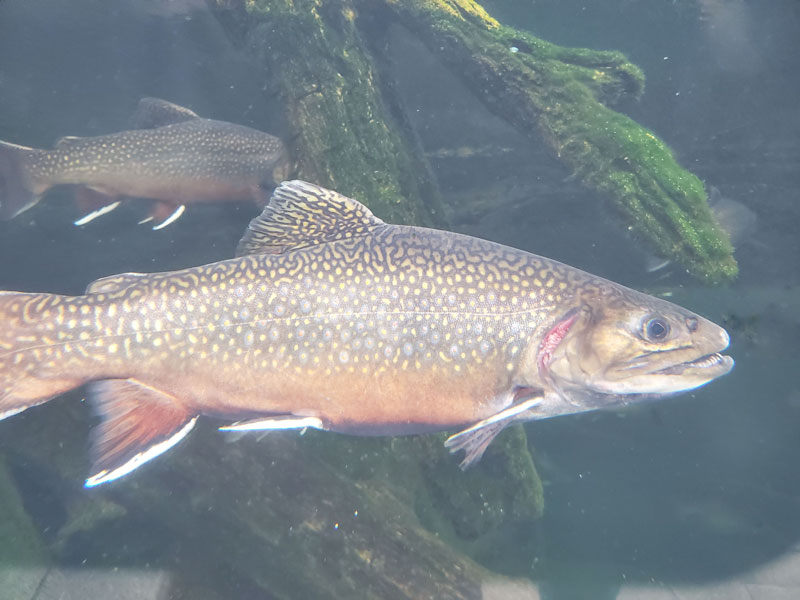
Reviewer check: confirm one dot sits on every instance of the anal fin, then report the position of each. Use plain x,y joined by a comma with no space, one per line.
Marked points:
139,422
475,439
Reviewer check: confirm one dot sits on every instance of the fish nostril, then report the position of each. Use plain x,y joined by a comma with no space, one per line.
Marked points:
692,323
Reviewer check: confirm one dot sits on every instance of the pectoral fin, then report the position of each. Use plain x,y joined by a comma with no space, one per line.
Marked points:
139,422
475,439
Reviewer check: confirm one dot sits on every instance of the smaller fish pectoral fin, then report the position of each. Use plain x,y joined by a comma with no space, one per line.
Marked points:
275,423
139,422
475,439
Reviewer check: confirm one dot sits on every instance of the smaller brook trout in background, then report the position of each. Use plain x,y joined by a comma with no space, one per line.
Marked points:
330,318
173,157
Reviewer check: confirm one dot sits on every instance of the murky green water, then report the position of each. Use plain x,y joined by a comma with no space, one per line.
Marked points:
691,496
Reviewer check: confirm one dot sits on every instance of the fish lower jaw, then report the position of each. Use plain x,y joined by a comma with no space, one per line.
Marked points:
709,361
672,379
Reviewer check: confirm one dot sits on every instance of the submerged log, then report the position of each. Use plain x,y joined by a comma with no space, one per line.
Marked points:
24,558
314,516
323,55
345,135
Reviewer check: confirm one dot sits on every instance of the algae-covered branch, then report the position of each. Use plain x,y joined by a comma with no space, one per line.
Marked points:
350,132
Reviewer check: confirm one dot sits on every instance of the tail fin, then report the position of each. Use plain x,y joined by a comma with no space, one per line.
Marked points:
16,191
29,369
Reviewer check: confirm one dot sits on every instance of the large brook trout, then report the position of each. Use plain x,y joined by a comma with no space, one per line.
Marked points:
330,318
173,158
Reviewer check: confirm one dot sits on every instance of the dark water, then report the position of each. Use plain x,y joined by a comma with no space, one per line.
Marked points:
700,490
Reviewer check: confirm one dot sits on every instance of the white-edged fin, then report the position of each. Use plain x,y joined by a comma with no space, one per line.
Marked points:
653,263
475,439
139,422
12,412
275,423
171,219
138,460
104,210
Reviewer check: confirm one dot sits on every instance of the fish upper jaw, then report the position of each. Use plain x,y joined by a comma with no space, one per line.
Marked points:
601,352
671,371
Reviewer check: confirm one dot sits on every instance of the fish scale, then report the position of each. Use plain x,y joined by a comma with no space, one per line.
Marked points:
173,158
331,318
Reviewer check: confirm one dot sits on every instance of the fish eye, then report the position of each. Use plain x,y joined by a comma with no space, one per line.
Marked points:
656,329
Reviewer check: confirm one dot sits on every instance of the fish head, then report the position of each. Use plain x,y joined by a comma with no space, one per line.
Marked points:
623,343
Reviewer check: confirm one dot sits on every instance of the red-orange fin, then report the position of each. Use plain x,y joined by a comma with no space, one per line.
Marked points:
475,439
139,423
93,204
164,214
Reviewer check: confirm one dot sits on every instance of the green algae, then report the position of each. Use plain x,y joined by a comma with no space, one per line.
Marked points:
325,55
563,97
344,133
466,508
24,559
469,506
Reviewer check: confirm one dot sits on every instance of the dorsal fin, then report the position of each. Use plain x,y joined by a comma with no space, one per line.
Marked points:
114,283
154,112
302,214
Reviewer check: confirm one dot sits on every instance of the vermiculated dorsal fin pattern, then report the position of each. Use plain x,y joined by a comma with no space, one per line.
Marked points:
301,214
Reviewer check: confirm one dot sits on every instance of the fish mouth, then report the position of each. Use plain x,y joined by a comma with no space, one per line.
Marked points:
718,364
668,372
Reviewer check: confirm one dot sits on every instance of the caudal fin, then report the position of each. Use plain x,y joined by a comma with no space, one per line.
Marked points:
16,190
40,359
29,369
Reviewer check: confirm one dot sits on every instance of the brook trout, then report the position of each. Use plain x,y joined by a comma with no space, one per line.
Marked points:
330,318
173,158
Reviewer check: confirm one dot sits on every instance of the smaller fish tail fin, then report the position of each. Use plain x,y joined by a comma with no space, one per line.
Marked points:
29,374
16,192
